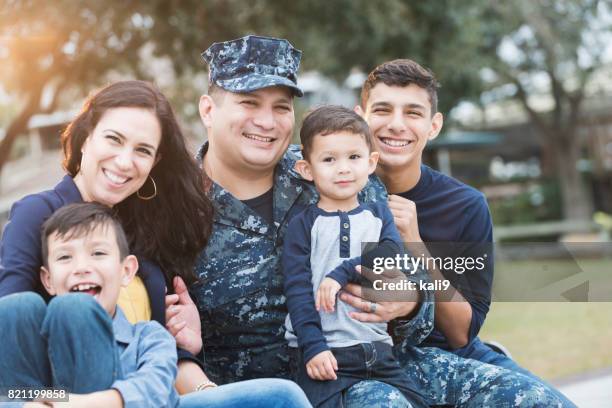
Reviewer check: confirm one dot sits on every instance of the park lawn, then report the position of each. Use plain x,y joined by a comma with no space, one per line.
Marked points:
553,340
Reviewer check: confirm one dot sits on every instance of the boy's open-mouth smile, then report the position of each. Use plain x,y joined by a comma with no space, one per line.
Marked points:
89,288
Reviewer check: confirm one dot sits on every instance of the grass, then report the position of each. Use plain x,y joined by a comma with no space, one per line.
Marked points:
553,339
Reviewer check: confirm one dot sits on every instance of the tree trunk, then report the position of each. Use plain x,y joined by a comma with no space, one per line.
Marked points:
576,196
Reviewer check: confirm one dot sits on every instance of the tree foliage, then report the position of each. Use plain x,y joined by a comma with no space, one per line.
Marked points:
64,45
49,47
551,48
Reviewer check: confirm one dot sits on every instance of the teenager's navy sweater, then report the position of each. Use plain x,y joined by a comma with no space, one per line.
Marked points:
454,213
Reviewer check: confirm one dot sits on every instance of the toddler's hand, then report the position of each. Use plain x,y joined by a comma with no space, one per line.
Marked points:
326,295
323,366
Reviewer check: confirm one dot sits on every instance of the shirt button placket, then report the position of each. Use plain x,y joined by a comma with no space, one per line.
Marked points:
345,232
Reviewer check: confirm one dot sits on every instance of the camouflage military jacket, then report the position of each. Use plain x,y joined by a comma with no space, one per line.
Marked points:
240,288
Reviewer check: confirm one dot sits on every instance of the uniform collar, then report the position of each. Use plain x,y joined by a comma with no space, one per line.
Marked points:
288,186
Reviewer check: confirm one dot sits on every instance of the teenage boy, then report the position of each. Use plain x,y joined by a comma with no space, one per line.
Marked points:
249,118
82,342
322,249
399,102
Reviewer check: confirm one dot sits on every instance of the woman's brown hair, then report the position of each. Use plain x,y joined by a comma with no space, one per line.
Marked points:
172,228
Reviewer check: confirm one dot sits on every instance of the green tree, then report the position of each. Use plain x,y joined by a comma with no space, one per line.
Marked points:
49,47
546,47
63,45
336,36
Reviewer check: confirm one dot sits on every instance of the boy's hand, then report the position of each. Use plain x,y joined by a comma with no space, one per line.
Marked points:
323,366
326,295
183,318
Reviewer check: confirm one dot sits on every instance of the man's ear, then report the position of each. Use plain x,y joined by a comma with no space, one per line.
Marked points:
358,110
129,267
303,168
45,278
205,107
372,162
436,126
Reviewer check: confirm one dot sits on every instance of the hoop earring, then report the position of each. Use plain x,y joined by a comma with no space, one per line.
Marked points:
154,191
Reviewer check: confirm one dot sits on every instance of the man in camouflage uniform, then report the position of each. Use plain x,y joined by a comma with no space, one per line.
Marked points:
248,114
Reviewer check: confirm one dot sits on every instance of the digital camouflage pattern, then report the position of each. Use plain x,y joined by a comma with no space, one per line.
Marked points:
252,62
242,307
447,379
240,289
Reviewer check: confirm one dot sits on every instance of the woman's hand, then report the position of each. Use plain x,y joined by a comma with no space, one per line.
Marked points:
183,318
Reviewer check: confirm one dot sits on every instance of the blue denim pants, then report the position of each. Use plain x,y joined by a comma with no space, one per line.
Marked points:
261,393
68,344
365,361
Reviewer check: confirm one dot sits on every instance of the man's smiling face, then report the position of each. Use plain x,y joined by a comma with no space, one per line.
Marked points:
401,123
251,129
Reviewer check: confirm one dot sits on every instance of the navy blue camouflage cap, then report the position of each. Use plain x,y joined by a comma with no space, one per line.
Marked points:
252,62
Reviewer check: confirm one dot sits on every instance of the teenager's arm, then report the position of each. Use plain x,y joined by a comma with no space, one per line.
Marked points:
305,319
477,240
153,382
458,318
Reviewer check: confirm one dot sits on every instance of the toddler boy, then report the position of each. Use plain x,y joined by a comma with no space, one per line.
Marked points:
321,250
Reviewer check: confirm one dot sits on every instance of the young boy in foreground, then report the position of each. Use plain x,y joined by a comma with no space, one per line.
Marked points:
81,342
322,249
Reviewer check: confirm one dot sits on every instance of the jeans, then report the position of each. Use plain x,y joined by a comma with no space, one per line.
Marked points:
68,344
365,361
261,393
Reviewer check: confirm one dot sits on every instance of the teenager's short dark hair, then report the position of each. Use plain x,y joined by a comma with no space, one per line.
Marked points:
80,219
328,119
402,72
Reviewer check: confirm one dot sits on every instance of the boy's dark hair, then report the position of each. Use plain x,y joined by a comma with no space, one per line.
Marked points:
328,119
76,220
402,72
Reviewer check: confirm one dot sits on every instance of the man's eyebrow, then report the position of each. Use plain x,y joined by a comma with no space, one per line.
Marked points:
125,138
284,100
415,106
409,105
